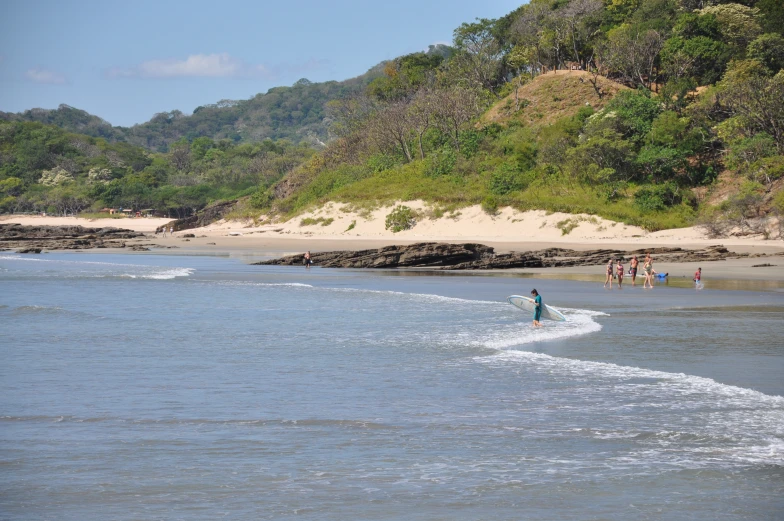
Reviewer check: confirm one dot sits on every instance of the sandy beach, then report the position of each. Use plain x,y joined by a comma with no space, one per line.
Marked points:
339,227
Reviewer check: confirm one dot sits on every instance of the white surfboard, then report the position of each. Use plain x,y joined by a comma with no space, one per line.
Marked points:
527,304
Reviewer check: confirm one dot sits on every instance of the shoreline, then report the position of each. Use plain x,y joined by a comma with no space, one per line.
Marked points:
254,243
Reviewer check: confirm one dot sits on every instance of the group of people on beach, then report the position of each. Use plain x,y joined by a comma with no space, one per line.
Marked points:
171,231
615,269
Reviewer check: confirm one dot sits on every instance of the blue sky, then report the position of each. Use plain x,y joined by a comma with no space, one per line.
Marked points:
127,60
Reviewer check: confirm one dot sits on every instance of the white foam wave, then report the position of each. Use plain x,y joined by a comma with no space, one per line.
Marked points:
111,269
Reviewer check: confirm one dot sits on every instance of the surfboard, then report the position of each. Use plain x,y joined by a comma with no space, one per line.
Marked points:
527,304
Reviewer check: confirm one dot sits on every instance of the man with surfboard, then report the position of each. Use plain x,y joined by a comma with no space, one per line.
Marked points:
537,307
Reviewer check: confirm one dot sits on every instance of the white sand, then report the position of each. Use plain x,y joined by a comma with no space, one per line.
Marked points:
472,224
508,230
138,224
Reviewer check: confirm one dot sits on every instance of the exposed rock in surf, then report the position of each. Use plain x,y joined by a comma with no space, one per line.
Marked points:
208,215
22,238
478,256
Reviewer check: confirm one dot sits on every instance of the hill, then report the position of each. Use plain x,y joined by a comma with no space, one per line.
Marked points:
296,113
549,97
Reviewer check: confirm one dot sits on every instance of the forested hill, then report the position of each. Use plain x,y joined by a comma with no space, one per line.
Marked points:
660,113
295,113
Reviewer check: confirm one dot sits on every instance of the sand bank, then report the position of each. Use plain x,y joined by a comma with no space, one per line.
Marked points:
339,227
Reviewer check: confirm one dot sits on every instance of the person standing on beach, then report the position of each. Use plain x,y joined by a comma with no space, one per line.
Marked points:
619,272
633,268
698,278
649,272
164,232
308,260
537,307
609,274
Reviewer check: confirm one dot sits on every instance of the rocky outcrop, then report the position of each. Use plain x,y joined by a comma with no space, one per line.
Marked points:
27,239
210,214
425,254
478,256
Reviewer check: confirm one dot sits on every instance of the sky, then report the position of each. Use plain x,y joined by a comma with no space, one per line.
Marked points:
128,60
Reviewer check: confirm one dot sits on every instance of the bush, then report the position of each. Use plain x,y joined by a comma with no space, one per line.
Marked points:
655,198
490,205
401,218
507,178
441,163
261,199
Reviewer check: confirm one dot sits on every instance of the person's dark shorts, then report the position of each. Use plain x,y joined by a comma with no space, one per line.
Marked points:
632,271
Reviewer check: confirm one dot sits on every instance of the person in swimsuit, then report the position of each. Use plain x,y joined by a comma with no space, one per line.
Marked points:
307,260
649,272
633,268
609,273
619,272
537,307
698,278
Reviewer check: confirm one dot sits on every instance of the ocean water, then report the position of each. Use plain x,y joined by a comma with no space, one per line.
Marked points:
200,388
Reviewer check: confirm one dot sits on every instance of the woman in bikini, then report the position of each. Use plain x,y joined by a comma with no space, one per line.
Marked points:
649,273
609,273
619,272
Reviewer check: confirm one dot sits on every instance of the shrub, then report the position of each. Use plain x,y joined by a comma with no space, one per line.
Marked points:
401,218
351,226
507,178
261,199
655,198
567,225
441,163
309,221
490,205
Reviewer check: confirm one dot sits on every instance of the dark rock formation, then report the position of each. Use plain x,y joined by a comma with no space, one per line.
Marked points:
425,254
478,256
210,214
16,236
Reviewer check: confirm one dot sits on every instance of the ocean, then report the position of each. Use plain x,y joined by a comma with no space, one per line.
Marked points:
200,388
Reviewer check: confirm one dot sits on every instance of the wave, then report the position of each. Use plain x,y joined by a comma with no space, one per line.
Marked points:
107,269
700,421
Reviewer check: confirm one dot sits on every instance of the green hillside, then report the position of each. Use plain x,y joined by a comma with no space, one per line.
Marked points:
664,105
295,113
661,113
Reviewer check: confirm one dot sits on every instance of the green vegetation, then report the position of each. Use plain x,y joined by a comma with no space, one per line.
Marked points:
309,221
296,113
669,95
666,103
44,168
401,218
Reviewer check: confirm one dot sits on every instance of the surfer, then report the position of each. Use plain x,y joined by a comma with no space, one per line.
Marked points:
537,307
308,261
633,268
619,272
609,273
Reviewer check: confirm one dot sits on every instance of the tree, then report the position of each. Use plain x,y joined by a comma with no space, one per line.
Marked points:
478,53
421,115
453,108
737,23
768,49
755,99
392,127
180,155
631,54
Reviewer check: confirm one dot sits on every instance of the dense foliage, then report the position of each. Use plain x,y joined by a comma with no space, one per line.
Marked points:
682,99
295,113
46,169
705,95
